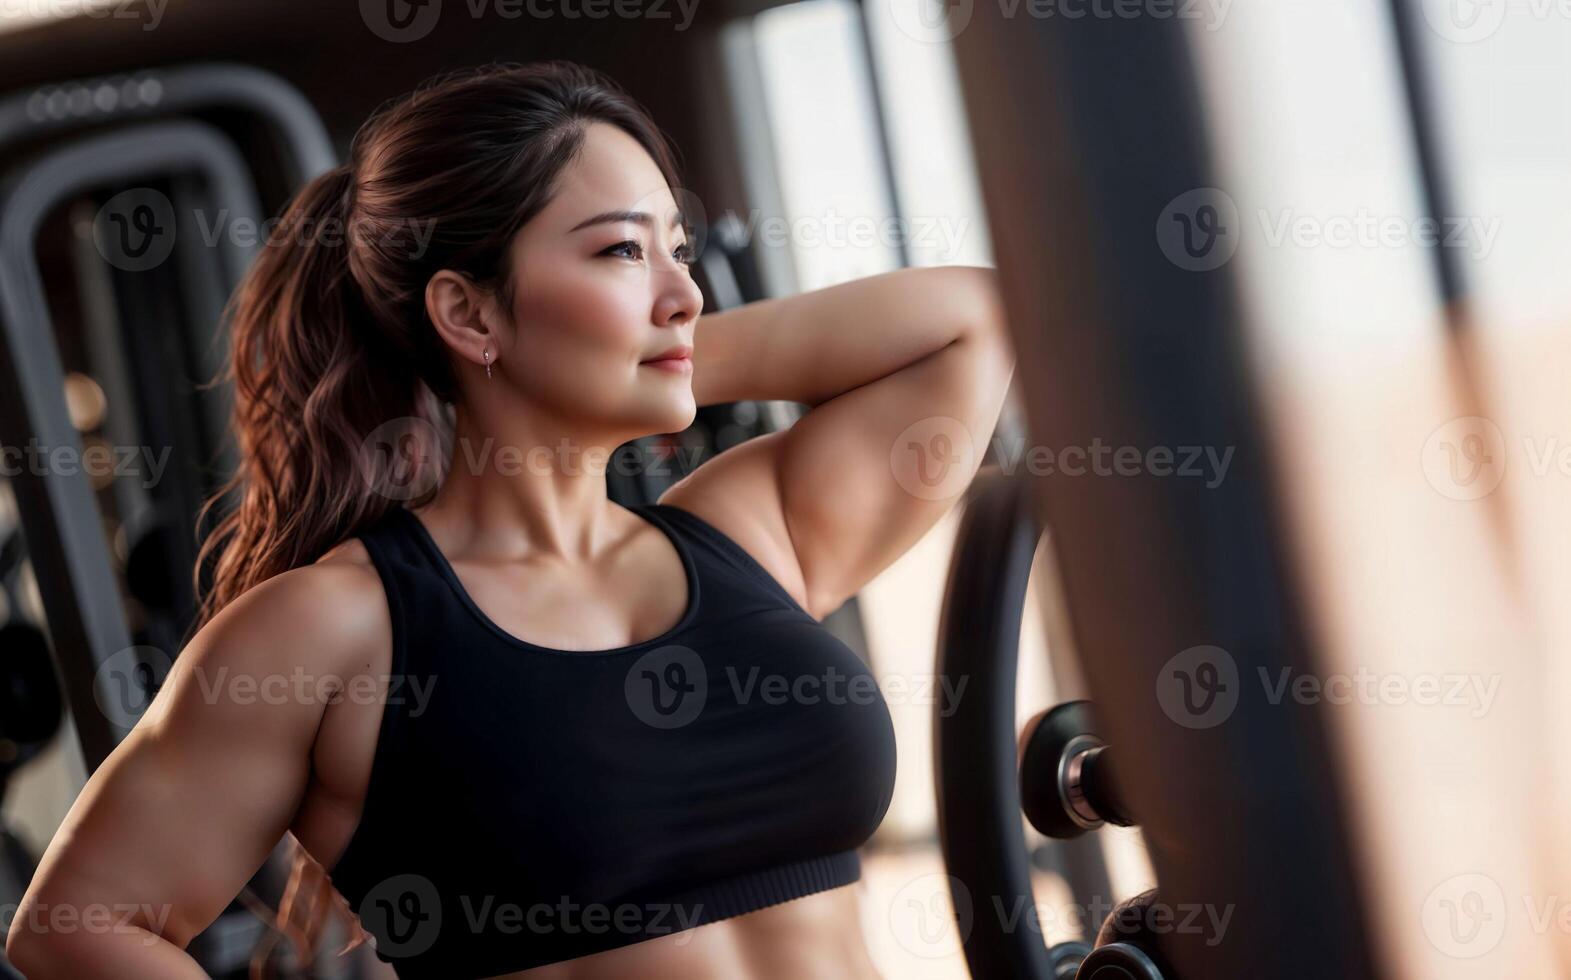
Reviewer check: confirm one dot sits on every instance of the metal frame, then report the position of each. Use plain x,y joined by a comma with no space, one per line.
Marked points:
69,554
64,106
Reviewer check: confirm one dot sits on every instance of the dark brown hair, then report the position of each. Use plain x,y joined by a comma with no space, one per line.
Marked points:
330,338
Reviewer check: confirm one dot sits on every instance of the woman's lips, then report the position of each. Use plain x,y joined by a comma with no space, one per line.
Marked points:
676,365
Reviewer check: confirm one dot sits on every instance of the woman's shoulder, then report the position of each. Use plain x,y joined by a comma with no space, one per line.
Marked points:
735,493
329,616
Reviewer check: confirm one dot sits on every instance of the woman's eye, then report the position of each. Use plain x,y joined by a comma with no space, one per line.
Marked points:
683,253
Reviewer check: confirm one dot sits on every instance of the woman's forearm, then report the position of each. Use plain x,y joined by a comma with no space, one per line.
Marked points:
813,346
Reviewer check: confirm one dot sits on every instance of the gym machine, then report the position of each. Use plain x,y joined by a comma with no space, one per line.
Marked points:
152,334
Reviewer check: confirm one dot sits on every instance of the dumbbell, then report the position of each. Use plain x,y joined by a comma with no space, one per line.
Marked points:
1066,777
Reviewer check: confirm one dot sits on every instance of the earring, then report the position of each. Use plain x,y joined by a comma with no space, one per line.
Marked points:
486,353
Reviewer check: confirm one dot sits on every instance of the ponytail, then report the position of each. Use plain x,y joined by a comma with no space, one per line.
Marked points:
315,398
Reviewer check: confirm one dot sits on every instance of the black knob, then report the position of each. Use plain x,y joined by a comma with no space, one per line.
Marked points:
1066,775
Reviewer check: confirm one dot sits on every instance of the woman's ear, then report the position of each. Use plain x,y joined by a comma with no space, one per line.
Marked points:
464,314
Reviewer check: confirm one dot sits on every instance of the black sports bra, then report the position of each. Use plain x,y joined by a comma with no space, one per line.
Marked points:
530,805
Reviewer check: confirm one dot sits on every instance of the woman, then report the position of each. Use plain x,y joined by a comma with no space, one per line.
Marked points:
528,731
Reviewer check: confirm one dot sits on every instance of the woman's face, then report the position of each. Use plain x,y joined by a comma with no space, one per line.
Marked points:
601,285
